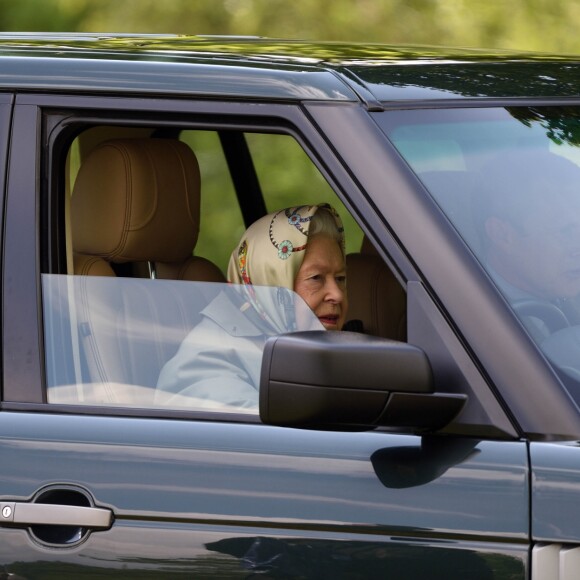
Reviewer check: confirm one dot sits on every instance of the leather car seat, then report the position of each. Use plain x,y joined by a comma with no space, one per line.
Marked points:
139,200
135,201
375,297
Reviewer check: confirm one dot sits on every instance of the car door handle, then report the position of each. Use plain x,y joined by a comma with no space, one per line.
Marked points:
32,514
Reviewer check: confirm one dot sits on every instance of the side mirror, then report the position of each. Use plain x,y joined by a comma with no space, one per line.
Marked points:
323,379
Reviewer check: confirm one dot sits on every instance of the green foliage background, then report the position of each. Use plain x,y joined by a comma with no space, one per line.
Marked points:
544,25
541,25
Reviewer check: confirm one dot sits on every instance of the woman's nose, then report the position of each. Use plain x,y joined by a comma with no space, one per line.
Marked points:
335,292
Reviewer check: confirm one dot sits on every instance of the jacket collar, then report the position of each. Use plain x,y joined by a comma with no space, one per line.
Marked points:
234,319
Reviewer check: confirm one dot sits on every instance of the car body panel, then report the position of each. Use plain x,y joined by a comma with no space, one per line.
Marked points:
146,77
555,473
6,101
265,68
22,375
219,487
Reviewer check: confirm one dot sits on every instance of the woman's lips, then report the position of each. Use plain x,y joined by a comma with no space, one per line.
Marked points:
329,319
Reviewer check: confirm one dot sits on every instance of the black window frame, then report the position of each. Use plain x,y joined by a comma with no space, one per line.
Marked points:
6,105
47,125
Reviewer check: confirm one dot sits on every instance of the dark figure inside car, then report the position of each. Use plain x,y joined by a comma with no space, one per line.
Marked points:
529,207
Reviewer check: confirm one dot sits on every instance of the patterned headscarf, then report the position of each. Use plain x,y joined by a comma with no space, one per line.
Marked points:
271,252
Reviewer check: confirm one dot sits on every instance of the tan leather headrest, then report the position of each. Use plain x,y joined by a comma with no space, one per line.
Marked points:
375,296
137,199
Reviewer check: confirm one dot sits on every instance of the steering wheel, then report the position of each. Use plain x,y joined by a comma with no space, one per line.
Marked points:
563,350
547,312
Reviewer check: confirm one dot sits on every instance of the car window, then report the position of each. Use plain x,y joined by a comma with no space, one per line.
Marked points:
144,316
220,230
283,168
509,181
109,339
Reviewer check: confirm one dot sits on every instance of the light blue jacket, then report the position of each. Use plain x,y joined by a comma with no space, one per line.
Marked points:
218,363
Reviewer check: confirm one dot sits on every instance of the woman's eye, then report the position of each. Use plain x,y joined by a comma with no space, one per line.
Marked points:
341,279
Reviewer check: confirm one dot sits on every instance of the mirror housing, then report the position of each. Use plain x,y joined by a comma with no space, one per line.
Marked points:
324,379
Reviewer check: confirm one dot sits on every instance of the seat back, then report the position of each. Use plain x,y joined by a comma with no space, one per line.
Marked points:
136,201
375,296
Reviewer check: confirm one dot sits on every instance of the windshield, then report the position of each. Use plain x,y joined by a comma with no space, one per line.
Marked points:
509,181
161,343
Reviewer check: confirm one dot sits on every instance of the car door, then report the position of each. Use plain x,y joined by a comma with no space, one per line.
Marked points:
137,491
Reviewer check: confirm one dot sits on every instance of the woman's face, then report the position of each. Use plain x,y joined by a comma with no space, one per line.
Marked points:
321,281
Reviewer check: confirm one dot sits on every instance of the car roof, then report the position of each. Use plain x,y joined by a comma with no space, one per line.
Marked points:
264,68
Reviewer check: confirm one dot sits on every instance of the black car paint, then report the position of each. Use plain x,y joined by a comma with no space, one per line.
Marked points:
184,491
227,497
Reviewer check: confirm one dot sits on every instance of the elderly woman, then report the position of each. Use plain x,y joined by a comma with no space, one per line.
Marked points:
298,248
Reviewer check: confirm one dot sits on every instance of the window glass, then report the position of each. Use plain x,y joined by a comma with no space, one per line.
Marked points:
145,318
287,174
509,180
222,224
166,344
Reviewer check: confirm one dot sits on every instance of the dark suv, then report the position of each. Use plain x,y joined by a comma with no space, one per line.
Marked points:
436,440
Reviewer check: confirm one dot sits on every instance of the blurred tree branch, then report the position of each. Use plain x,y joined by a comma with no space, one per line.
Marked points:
546,25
